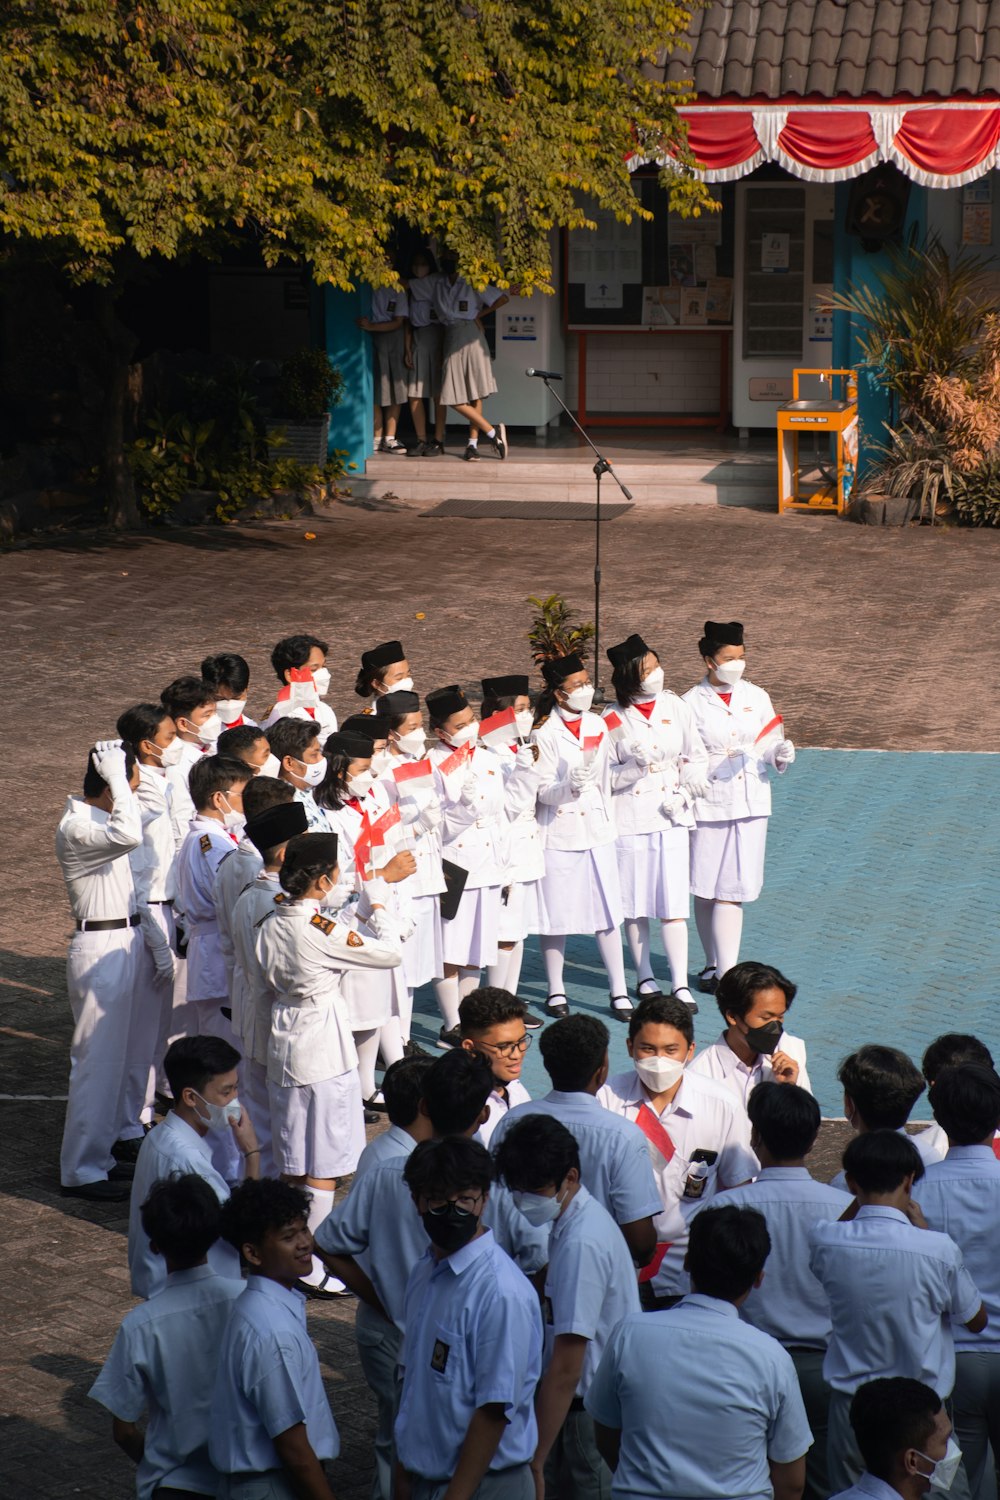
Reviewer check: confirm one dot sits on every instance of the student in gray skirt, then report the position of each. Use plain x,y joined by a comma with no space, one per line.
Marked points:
423,332
467,377
385,324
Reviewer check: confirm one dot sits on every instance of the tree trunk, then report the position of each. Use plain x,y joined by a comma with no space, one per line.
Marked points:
116,476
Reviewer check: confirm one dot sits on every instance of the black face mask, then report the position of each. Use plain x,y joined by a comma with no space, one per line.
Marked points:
450,1230
764,1039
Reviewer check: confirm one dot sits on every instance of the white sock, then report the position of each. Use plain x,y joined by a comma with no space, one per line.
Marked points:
554,957
390,1043
675,946
637,933
496,974
446,994
367,1045
514,960
492,433
727,929
468,980
320,1207
703,921
609,945
406,1015
474,440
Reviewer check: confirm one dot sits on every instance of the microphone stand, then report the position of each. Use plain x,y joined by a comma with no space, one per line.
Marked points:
601,467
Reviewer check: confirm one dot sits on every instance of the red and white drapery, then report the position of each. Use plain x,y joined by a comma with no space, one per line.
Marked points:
937,145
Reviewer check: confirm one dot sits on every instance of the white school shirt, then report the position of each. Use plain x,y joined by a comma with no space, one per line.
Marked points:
789,1304
960,1196
317,818
92,848
201,853
182,807
702,1401
163,1362
739,771
895,1292
237,871
477,835
387,304
498,1106
590,1283
268,1380
701,1115
567,819
319,713
420,292
251,993
720,1062
155,798
171,1147
457,302
671,735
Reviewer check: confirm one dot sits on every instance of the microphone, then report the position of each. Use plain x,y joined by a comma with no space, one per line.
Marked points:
544,374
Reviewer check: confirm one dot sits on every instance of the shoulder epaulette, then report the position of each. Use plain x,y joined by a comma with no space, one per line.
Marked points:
323,923
279,897
368,710
205,843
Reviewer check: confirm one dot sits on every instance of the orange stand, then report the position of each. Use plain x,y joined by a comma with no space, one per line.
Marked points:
820,485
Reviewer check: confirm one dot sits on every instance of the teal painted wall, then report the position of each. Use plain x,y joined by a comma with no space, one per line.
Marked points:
351,423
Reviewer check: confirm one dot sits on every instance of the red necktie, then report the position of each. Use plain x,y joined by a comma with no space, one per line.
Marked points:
646,709
573,725
656,1134
725,698
996,1147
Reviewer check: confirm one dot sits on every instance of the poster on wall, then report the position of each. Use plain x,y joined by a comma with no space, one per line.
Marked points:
719,299
602,293
775,251
661,306
821,319
612,253
681,265
977,223
694,305
705,230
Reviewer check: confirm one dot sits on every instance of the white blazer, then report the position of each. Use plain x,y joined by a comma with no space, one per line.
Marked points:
568,819
476,837
739,771
527,857
638,791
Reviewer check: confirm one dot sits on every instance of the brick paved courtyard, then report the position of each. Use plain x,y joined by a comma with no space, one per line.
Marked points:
878,899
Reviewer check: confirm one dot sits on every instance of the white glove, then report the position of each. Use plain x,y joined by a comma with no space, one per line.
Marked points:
470,790
524,757
581,776
109,760
430,817
672,805
157,943
641,753
784,754
696,786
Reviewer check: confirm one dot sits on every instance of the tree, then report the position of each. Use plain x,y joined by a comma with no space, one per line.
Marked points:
151,130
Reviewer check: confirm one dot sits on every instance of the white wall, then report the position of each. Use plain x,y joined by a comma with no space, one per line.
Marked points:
647,374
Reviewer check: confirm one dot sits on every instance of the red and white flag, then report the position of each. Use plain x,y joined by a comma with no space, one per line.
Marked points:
590,744
775,729
363,849
300,692
499,729
415,776
382,829
456,760
615,726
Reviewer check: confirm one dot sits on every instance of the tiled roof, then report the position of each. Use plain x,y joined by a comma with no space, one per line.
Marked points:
841,48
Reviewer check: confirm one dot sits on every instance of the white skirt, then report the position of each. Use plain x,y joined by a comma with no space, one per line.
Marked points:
468,370
390,368
318,1128
424,379
727,859
470,938
517,914
579,892
369,995
654,873
423,957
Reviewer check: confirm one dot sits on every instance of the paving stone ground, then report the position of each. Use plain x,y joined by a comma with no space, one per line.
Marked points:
878,893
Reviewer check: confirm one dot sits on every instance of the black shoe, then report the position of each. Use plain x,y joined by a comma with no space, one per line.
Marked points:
620,1012
418,450
328,1288
532,1023
376,1104
448,1039
683,993
499,441
708,980
122,1171
471,453
391,445
434,449
371,1118
556,1006
126,1150
641,994
414,1049
99,1192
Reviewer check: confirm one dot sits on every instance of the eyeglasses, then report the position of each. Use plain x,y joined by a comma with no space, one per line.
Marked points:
466,1203
508,1049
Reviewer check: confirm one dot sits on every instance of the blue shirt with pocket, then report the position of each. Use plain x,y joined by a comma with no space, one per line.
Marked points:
590,1285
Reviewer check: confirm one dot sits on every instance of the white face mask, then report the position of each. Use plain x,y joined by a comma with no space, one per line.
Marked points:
337,896
524,721
232,820
404,685
658,1073
360,785
220,1116
412,743
321,679
466,736
271,767
313,774
942,1475
730,672
538,1209
580,699
652,684
230,709
208,732
171,756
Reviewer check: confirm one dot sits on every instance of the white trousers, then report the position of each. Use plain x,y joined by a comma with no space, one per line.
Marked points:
147,1034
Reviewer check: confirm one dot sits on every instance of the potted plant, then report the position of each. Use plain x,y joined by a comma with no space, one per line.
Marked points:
308,387
552,633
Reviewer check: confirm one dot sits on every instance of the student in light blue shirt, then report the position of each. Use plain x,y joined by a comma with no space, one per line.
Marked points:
790,1304
904,1435
163,1359
614,1157
694,1404
473,1348
271,1424
960,1196
590,1285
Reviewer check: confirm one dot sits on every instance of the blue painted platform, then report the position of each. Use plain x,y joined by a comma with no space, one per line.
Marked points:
878,901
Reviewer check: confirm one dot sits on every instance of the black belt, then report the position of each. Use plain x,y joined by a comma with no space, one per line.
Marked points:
577,1404
114,924
167,901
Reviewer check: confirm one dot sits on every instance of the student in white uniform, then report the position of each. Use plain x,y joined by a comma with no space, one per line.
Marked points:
163,1360
474,835
302,653
693,1402
229,674
660,769
696,1134
960,1196
271,1425
312,1067
948,1051
423,355
467,370
372,729
492,1024
247,742
881,1085
239,870
518,909
589,1288
790,1304
384,669
296,745
385,322
754,1000
896,1289
96,834
190,702
905,1437
472,1354
581,889
728,842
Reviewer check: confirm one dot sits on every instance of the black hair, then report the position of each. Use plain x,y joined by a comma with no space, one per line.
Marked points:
441,1169
288,736
226,670
708,647
890,1415
236,741
965,1102
294,651
94,783
536,1152
879,1161
786,1118
265,792
488,1006
332,791
951,1049
182,1218
257,1205
456,1088
424,253
215,773
193,1061
727,1248
394,721
182,696
296,876
403,1089
738,986
661,1010
572,1050
492,704
883,1084
625,679
544,704
141,722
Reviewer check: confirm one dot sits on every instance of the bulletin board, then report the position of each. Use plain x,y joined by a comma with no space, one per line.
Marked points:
667,272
